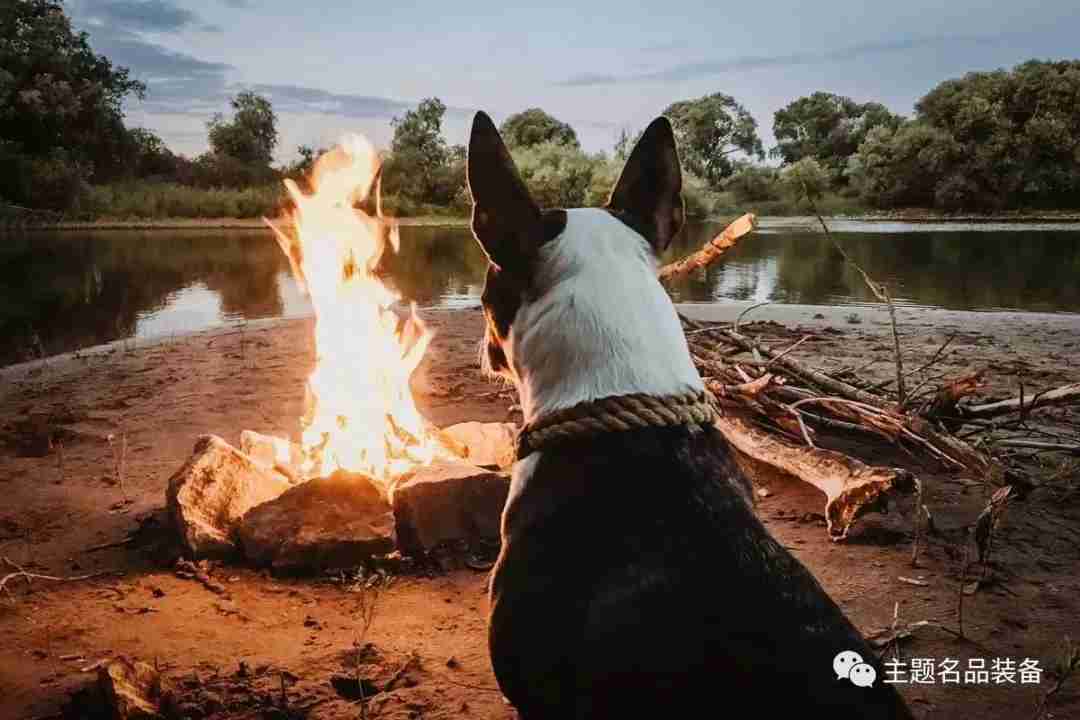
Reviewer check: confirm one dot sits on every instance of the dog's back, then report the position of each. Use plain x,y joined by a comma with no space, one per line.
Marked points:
636,581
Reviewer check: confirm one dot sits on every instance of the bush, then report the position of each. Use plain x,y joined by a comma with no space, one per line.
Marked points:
753,183
156,201
805,180
52,182
559,175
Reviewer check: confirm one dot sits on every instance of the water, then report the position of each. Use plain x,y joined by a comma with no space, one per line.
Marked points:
67,290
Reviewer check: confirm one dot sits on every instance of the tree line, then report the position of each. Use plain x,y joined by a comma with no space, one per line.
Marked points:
987,141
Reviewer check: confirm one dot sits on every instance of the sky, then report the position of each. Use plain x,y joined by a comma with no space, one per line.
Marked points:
331,66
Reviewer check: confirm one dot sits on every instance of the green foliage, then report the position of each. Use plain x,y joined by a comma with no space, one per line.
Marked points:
827,127
753,183
804,181
560,175
157,201
534,127
61,118
986,141
251,135
709,131
903,167
419,169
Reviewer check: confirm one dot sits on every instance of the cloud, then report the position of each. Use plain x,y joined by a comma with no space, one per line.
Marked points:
161,16
237,3
686,71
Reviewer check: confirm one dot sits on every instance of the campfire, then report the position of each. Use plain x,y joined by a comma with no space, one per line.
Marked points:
369,474
361,414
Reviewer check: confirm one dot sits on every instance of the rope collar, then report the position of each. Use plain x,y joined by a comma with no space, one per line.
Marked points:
615,414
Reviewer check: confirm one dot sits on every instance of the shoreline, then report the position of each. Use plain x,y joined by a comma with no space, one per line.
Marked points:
913,321
779,221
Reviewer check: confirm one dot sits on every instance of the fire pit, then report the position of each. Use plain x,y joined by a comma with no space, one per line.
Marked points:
369,474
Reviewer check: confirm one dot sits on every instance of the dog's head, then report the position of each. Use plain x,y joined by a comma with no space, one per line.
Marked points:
571,292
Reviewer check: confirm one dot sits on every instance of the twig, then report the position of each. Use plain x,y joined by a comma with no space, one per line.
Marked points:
960,594
20,573
743,314
1064,395
918,523
785,352
879,291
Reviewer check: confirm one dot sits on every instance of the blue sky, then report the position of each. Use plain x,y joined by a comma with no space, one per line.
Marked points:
332,66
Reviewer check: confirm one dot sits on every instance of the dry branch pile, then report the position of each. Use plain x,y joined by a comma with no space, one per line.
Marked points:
780,413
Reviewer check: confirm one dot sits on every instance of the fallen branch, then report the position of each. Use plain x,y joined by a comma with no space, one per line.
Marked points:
712,250
1065,395
1071,448
851,487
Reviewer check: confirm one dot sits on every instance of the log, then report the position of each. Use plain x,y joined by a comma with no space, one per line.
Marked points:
852,488
712,250
1064,395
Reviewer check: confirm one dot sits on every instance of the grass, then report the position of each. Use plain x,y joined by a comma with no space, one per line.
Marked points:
829,204
156,201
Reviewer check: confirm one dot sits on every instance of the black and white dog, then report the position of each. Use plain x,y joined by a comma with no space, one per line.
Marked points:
635,579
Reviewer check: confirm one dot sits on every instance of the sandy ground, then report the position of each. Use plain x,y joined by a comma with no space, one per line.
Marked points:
161,396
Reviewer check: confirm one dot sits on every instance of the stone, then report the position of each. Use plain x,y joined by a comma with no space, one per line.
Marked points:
488,445
208,496
274,453
133,690
448,501
325,523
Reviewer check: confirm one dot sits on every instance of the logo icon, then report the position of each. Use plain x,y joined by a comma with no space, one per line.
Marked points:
849,665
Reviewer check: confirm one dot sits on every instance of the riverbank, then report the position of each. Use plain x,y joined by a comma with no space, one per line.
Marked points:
158,396
921,217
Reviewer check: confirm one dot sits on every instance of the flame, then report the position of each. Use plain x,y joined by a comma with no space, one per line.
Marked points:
361,416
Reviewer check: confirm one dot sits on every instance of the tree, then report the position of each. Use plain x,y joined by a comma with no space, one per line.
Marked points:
251,135
59,101
903,167
417,168
753,183
828,128
1018,132
626,143
804,180
533,127
709,131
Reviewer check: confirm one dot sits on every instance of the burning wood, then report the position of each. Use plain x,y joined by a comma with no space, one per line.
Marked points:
361,416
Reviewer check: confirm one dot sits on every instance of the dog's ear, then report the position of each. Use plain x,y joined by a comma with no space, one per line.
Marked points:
506,221
648,195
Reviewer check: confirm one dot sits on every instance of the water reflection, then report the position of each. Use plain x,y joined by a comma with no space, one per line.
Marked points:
62,291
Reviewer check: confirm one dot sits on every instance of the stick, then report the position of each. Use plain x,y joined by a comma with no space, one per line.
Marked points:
712,251
1064,395
879,291
1071,448
35,576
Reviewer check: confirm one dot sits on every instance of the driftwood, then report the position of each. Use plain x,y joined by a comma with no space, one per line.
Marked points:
852,488
712,250
777,410
1065,395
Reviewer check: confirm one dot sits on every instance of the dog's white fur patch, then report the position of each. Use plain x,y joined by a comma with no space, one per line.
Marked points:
599,322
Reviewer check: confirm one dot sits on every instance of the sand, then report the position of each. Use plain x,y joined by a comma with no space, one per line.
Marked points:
161,395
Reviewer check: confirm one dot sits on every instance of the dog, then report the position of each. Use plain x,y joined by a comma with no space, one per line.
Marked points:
635,579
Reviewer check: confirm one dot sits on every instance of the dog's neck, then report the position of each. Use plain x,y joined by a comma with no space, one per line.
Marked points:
599,324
